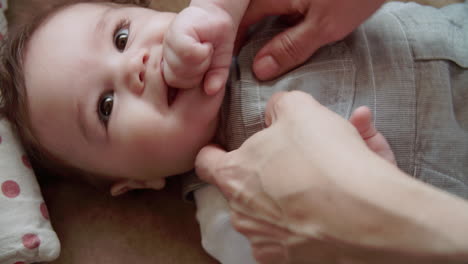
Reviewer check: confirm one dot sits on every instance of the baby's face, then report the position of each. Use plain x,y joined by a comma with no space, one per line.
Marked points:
98,99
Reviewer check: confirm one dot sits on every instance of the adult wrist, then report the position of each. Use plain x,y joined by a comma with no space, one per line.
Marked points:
404,218
413,218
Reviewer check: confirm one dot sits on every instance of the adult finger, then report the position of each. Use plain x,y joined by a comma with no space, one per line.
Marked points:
257,10
287,50
271,113
266,238
361,118
289,104
208,161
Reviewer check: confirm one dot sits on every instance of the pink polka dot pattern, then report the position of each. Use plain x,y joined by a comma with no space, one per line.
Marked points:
10,189
44,211
31,241
26,162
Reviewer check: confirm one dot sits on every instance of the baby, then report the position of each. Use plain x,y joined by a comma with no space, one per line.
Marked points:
93,98
86,87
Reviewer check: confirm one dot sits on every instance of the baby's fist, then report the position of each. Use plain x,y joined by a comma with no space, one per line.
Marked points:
185,57
198,48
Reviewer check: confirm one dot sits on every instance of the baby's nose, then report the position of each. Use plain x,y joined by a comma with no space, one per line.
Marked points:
136,71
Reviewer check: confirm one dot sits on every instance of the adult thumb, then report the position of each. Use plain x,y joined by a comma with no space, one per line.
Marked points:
208,161
287,50
273,109
290,105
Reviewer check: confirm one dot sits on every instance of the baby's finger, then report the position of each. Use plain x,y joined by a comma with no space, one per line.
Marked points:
189,51
218,73
215,80
179,81
182,74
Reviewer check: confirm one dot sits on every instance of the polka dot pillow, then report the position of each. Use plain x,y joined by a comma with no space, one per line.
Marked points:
26,235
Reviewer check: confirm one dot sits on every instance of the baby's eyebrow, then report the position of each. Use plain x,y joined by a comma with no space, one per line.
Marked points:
102,23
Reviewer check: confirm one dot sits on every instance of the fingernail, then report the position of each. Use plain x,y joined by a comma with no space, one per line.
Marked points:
266,68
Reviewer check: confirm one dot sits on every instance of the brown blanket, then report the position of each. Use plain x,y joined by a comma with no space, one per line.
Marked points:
139,227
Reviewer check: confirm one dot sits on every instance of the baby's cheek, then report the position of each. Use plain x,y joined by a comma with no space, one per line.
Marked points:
136,129
155,143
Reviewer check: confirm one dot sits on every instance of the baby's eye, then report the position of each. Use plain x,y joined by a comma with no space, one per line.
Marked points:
105,105
121,38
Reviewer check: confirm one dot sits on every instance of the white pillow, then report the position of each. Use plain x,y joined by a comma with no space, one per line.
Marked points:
26,235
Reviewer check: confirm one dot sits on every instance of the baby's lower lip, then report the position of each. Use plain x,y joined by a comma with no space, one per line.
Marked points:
171,95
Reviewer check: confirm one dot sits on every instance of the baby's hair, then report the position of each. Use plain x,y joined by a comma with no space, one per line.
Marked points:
14,105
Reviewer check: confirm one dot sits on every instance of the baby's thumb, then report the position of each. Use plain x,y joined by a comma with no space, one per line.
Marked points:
207,163
215,80
286,51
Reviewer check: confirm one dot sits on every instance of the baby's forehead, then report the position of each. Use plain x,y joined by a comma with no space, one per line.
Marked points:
49,37
79,11
57,54
61,18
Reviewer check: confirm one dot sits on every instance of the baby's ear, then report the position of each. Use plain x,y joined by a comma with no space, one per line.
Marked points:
124,186
155,184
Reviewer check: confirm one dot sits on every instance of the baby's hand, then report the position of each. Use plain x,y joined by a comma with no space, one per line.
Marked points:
198,48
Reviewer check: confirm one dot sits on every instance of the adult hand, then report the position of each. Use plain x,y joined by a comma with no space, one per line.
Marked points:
307,188
320,22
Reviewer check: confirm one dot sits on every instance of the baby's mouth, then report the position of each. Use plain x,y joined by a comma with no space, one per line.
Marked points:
171,95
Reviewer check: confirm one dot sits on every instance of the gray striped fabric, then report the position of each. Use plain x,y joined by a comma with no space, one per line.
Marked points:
408,63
